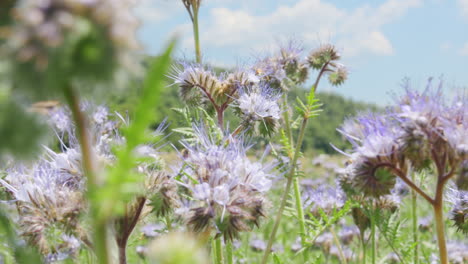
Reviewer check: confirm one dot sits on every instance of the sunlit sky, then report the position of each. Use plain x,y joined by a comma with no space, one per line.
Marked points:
382,42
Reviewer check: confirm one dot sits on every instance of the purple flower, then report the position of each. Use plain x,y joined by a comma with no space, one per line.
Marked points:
227,189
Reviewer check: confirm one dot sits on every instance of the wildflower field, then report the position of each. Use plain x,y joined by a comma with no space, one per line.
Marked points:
109,155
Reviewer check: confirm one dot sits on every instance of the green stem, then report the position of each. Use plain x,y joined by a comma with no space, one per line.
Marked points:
300,212
363,246
229,255
218,251
168,223
213,250
196,35
290,177
99,225
297,190
373,237
287,122
338,245
414,215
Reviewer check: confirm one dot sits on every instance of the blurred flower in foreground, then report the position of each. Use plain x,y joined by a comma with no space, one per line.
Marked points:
69,38
177,248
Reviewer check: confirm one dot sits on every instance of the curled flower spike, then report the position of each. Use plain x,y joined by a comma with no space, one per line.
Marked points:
226,188
196,84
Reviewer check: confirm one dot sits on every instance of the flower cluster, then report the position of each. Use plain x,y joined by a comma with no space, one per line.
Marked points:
260,103
226,188
324,197
253,91
285,66
420,132
413,132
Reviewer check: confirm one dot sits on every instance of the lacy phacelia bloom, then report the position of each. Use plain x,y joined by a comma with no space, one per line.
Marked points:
48,199
420,130
260,104
323,197
42,25
227,189
374,144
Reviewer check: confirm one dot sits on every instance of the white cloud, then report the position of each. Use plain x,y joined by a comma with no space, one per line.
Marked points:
156,10
464,7
356,31
464,50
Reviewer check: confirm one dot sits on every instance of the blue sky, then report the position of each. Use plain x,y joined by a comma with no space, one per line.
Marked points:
382,42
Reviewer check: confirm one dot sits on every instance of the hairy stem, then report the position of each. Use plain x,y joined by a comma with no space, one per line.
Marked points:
338,245
290,177
287,122
196,35
363,248
414,216
300,211
218,251
439,219
229,255
373,244
125,227
99,225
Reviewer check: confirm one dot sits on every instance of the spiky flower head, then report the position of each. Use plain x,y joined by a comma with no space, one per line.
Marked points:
338,76
462,176
459,212
323,55
283,67
49,202
259,105
374,146
226,188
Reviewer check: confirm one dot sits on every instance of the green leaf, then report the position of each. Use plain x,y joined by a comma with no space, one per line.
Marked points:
123,181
